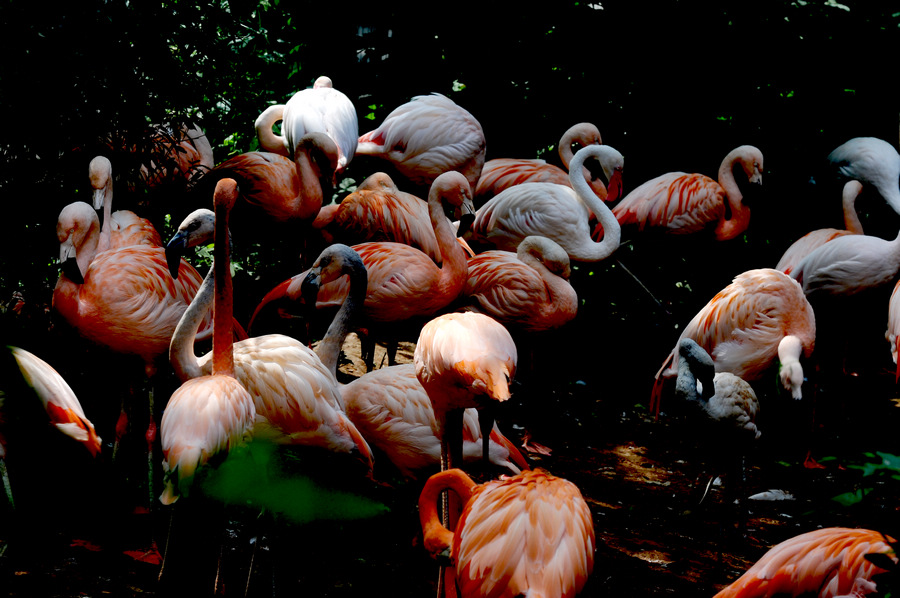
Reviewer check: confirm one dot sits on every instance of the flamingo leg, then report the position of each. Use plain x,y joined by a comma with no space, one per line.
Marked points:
6,487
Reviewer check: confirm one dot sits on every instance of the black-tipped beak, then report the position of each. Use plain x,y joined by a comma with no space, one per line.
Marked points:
174,250
309,289
71,270
465,223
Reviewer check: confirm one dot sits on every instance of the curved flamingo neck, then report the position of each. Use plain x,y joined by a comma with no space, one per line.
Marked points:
740,214
852,189
88,247
309,174
268,140
453,257
611,229
329,350
181,350
583,134
558,288
223,351
437,537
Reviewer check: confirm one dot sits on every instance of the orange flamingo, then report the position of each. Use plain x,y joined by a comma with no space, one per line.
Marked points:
285,190
681,203
872,161
762,315
558,212
379,211
322,109
427,136
501,173
528,290
404,282
296,397
815,239
123,227
212,414
826,563
464,360
389,406
527,535
392,410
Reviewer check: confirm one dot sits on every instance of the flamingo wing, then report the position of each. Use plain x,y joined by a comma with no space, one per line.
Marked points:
677,201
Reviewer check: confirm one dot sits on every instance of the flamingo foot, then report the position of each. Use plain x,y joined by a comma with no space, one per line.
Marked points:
810,463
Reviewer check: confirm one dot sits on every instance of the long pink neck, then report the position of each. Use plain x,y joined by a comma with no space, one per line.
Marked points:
223,352
453,256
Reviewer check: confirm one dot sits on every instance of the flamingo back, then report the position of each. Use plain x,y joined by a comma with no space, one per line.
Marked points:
678,202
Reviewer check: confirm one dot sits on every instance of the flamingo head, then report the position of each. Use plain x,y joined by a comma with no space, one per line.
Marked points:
791,372
197,229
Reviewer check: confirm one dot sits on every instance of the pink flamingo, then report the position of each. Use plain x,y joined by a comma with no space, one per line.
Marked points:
681,203
428,136
893,328
558,212
123,227
815,239
873,162
212,414
527,535
321,109
501,173
762,315
528,290
404,282
296,396
827,563
285,190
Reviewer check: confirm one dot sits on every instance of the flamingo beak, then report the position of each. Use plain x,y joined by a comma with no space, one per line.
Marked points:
174,250
69,264
614,189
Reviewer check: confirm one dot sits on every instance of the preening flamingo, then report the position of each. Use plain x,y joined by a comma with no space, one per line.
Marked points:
681,203
123,227
762,315
528,290
872,161
403,282
209,415
187,154
296,397
815,239
379,211
501,173
557,212
393,412
527,535
428,136
849,265
321,109
284,190
58,400
464,360
826,563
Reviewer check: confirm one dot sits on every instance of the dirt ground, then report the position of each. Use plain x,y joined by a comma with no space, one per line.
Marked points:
87,531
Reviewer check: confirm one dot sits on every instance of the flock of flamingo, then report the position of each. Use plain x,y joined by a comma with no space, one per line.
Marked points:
469,264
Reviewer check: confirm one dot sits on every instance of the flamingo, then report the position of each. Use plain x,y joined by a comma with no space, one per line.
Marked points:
285,190
389,406
187,152
815,239
872,161
322,109
379,211
501,173
123,227
528,290
59,401
893,328
296,397
762,315
427,136
681,203
554,211
464,360
212,414
404,282
527,535
826,563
